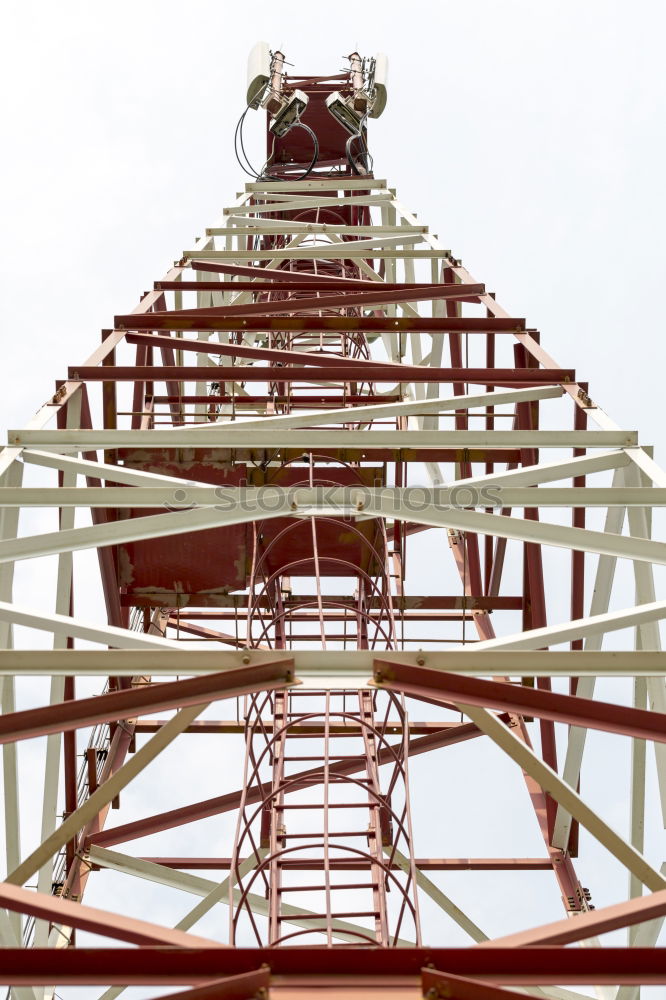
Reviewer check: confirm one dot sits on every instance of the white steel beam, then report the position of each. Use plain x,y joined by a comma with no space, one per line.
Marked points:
52,787
133,529
647,465
649,638
108,635
375,411
221,497
214,892
105,793
9,520
100,470
637,795
599,604
513,656
539,532
548,472
239,225
579,628
380,246
551,782
277,204
113,859
218,436
438,897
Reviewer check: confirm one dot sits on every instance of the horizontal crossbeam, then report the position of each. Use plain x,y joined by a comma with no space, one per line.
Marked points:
216,320
587,925
168,658
342,300
434,685
394,374
147,698
259,437
165,966
94,920
212,496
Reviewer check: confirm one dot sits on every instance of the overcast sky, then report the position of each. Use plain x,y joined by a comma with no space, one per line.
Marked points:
528,135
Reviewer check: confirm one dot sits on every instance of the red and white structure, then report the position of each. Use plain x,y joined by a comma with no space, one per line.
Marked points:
345,513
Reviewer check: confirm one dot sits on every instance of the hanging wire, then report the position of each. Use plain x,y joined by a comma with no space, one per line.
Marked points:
364,156
238,137
247,166
315,155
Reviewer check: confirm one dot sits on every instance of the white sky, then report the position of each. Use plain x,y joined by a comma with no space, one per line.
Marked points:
528,135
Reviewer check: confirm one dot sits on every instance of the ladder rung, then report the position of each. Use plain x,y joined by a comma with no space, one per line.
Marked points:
318,835
331,805
322,888
321,760
315,779
333,916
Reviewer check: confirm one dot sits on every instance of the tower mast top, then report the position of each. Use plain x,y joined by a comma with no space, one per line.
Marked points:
316,124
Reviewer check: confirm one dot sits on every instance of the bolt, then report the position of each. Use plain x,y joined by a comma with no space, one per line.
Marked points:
246,658
420,660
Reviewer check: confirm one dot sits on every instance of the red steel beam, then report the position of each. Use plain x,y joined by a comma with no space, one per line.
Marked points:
587,925
212,319
148,698
438,985
309,728
209,633
171,966
279,356
416,602
379,296
273,276
246,986
57,910
316,284
226,803
522,377
433,685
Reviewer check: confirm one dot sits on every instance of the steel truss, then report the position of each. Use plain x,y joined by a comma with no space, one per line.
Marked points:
261,445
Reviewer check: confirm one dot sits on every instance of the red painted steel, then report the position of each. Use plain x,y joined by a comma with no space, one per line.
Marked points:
147,697
215,319
443,986
322,968
246,986
434,685
89,918
369,372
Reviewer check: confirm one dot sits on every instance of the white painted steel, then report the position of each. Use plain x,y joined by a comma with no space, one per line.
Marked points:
219,437
525,757
135,653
